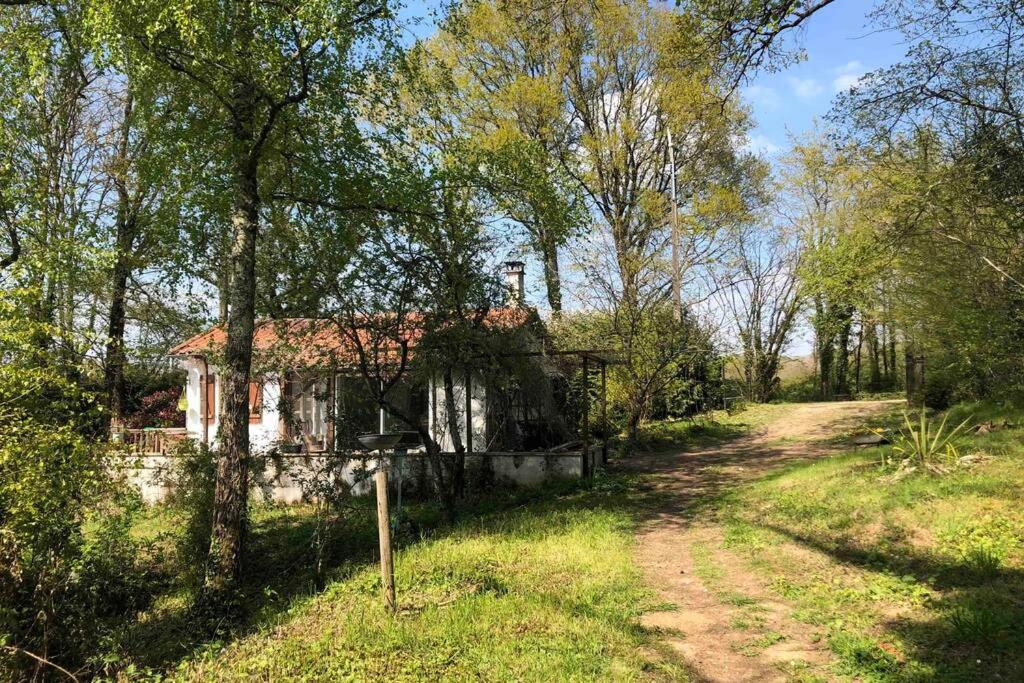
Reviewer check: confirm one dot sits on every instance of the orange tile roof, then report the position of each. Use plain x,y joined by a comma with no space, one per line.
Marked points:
316,341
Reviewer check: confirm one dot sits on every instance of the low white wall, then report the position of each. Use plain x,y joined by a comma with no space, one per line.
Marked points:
287,485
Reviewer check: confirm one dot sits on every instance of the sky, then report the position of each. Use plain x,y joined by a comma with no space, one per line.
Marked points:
839,45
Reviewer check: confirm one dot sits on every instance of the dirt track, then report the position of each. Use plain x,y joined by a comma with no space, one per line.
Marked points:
681,533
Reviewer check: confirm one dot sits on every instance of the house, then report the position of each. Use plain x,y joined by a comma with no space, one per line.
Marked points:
307,398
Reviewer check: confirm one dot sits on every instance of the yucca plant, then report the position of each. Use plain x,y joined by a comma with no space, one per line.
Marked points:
925,445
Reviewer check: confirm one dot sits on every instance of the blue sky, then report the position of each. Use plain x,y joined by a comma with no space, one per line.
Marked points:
840,47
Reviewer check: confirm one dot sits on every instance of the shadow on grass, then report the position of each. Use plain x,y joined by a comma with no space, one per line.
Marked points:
281,564
975,624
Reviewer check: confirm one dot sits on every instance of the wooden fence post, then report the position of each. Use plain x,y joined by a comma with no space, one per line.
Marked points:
387,566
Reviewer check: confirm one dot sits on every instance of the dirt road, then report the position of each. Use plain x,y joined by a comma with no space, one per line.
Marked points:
679,548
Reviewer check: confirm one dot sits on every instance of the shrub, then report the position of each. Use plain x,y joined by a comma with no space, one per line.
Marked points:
67,563
925,445
158,409
192,479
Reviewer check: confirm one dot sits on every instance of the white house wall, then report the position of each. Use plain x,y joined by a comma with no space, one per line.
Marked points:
262,434
439,413
525,470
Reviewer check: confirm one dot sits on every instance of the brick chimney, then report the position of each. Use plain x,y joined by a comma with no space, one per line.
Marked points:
515,274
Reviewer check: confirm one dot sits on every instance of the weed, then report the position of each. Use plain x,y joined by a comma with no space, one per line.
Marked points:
976,624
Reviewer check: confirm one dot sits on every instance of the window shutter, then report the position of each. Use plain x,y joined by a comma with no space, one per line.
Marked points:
211,398
255,402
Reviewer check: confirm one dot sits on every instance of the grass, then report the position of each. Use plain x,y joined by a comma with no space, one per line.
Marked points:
915,579
530,586
705,430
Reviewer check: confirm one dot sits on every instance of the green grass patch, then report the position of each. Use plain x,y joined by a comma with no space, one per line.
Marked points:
530,587
916,578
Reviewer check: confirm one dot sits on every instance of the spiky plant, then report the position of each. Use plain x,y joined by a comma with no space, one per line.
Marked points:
925,445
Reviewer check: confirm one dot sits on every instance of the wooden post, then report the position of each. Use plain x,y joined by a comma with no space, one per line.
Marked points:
585,464
604,413
387,565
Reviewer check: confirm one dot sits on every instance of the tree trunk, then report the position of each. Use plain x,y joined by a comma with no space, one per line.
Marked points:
452,418
875,375
894,379
826,354
843,348
823,349
856,359
224,289
886,376
126,225
115,360
552,277
227,541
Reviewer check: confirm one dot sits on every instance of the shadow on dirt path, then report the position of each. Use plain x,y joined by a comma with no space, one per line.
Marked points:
725,622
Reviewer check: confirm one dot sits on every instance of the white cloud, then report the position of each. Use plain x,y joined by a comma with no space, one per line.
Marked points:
762,96
760,144
805,88
847,75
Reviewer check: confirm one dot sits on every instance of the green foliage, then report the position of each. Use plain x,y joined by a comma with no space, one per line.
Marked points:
67,562
663,368
192,479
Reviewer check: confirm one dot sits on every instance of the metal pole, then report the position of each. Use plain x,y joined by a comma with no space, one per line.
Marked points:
387,565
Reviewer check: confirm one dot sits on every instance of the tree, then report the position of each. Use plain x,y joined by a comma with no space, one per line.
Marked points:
759,285
748,35
829,202
148,186
497,72
51,140
256,74
943,132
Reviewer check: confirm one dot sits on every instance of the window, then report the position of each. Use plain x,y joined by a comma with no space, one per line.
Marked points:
307,399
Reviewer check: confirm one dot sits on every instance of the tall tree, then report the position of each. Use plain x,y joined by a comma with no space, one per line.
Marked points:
498,72
255,73
758,283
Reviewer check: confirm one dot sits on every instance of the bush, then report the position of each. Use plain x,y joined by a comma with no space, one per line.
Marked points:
193,480
158,409
67,563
